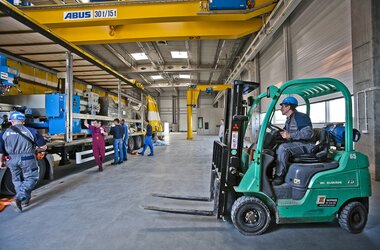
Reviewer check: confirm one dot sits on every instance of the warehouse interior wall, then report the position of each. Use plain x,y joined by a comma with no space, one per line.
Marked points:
173,109
366,78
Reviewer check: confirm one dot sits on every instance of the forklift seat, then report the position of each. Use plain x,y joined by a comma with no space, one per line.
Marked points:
320,152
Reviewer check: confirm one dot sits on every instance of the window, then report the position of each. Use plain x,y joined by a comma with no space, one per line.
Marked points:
337,110
318,112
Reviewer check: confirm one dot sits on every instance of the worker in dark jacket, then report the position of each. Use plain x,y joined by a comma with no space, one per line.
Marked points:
299,131
118,132
21,143
148,140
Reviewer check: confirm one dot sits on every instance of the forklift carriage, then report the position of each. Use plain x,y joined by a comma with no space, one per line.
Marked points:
329,183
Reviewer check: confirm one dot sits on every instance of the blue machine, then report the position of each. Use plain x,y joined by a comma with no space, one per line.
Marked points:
56,113
228,4
8,76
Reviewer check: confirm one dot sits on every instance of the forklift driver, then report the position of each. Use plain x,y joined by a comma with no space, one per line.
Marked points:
299,131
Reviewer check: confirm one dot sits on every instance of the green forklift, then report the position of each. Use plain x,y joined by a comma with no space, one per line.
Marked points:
330,183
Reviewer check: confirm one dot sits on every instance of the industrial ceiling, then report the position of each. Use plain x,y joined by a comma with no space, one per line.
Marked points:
209,61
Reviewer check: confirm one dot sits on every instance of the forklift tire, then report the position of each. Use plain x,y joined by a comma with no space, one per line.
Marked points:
353,217
250,215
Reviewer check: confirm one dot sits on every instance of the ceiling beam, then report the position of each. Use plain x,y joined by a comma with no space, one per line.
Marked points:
142,69
159,31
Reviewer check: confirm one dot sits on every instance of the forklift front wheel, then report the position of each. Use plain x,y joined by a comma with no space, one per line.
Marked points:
353,217
250,215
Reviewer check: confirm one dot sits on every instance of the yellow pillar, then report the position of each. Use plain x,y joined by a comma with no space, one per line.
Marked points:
189,114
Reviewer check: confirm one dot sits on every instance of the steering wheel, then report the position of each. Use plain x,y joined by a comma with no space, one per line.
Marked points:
274,128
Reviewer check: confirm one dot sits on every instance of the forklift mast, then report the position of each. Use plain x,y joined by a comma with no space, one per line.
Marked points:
226,166
236,115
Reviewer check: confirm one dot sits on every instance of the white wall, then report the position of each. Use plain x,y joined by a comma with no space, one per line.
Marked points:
212,116
165,107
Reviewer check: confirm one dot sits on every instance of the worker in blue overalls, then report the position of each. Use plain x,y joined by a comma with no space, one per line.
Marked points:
298,131
148,140
21,143
125,139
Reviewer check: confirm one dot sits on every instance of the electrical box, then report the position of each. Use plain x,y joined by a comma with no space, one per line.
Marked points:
228,4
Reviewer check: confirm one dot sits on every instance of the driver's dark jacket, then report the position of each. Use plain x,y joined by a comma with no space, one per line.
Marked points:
299,126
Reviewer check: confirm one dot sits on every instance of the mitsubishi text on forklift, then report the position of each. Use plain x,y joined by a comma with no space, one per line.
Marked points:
331,183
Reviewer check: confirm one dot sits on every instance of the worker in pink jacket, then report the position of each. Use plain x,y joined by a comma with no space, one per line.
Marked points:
98,146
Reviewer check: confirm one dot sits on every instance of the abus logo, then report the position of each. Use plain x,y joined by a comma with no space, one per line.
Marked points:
73,15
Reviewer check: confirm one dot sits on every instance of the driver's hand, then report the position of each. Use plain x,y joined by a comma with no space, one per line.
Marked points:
285,134
2,165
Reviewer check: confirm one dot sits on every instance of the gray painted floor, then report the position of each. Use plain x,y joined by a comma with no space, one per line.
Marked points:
91,210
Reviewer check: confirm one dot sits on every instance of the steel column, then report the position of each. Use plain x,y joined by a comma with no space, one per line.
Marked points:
119,99
69,90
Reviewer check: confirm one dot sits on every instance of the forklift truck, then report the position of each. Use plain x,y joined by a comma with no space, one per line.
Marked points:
330,183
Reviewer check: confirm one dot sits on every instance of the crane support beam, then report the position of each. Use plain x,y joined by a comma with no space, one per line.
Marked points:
158,31
120,22
121,13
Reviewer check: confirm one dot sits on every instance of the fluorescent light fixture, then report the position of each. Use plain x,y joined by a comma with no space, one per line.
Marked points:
139,56
179,54
156,77
85,1
184,76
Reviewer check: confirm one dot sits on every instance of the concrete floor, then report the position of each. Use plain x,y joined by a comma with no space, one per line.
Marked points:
91,210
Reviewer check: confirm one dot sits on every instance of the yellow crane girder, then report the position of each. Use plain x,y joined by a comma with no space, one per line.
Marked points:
158,31
129,22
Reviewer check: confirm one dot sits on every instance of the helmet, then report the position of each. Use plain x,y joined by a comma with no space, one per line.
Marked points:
290,100
17,116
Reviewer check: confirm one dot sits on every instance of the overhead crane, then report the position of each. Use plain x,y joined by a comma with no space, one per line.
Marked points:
117,22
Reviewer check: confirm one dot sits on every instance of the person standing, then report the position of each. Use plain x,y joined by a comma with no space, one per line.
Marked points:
117,132
21,143
221,130
148,140
125,139
98,146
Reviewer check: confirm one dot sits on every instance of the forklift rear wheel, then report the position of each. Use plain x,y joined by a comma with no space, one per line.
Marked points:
250,215
353,217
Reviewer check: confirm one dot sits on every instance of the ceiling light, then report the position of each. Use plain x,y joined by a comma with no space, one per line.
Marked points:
139,56
184,76
156,77
85,1
179,54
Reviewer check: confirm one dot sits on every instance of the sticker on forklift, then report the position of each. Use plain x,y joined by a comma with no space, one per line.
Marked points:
322,201
234,141
353,156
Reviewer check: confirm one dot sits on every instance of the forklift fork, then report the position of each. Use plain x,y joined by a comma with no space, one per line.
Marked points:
217,188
